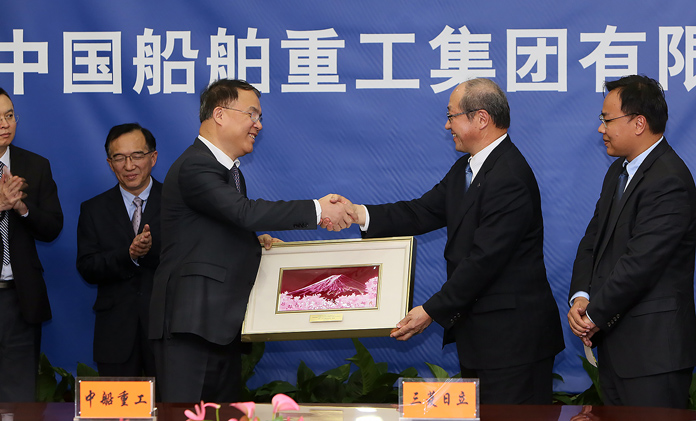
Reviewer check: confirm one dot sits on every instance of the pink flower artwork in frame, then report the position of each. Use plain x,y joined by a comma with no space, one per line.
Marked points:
330,288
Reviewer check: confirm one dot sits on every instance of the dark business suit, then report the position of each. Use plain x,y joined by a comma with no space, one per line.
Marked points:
496,303
104,235
637,264
27,304
210,256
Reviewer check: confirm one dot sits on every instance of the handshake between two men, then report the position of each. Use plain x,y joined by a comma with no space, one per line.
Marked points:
339,213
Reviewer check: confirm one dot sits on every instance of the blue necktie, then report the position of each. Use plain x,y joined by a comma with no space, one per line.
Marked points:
469,176
235,177
621,186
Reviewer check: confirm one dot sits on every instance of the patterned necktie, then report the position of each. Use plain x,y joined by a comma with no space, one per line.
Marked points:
235,176
5,229
469,175
137,215
621,186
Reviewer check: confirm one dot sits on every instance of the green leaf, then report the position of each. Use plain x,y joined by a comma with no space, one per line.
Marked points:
83,370
692,393
46,381
249,361
339,373
304,374
438,372
366,365
409,373
593,372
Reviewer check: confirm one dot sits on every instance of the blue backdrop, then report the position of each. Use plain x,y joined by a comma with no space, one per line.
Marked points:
354,100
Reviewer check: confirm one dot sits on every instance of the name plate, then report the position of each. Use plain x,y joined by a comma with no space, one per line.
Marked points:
319,318
115,398
439,398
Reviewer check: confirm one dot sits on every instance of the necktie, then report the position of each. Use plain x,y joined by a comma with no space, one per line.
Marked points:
235,177
469,175
5,229
137,215
621,186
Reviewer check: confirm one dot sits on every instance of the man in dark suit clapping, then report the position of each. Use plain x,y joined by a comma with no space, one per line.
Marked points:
30,211
118,246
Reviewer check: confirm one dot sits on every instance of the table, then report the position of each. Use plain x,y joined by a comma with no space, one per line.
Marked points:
175,412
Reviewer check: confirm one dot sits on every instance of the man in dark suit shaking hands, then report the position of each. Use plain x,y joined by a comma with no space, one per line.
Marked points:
632,289
29,211
210,251
118,246
496,303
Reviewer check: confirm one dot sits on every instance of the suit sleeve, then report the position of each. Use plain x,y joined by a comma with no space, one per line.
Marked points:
414,217
204,187
663,217
45,219
584,258
98,260
506,211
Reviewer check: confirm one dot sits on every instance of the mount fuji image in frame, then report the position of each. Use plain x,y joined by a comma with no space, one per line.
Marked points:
328,288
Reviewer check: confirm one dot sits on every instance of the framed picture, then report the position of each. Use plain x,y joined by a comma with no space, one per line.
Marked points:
331,289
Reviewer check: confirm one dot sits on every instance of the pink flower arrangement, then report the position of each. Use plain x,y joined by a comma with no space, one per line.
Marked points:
280,402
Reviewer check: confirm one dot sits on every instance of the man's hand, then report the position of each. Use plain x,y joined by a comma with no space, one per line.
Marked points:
593,329
141,243
11,193
337,212
414,323
575,317
267,241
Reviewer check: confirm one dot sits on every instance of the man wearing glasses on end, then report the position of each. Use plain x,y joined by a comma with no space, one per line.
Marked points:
29,211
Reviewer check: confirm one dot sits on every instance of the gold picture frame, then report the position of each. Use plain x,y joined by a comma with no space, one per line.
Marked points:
331,289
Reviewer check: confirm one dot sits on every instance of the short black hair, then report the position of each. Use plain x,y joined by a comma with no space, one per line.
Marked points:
644,96
4,92
220,93
121,129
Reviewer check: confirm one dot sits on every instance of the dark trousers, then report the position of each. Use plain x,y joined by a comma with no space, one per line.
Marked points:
191,369
528,384
669,390
20,344
141,361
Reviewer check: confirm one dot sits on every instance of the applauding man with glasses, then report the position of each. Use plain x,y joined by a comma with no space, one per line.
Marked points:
29,211
118,244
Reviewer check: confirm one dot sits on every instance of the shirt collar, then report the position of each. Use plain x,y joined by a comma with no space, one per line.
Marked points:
476,161
221,157
128,196
633,166
5,158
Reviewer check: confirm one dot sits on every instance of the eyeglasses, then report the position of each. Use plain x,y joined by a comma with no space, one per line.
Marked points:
134,157
10,117
253,114
605,121
451,116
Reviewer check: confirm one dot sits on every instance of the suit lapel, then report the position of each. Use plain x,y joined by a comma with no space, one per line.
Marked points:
118,212
471,195
18,166
611,217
